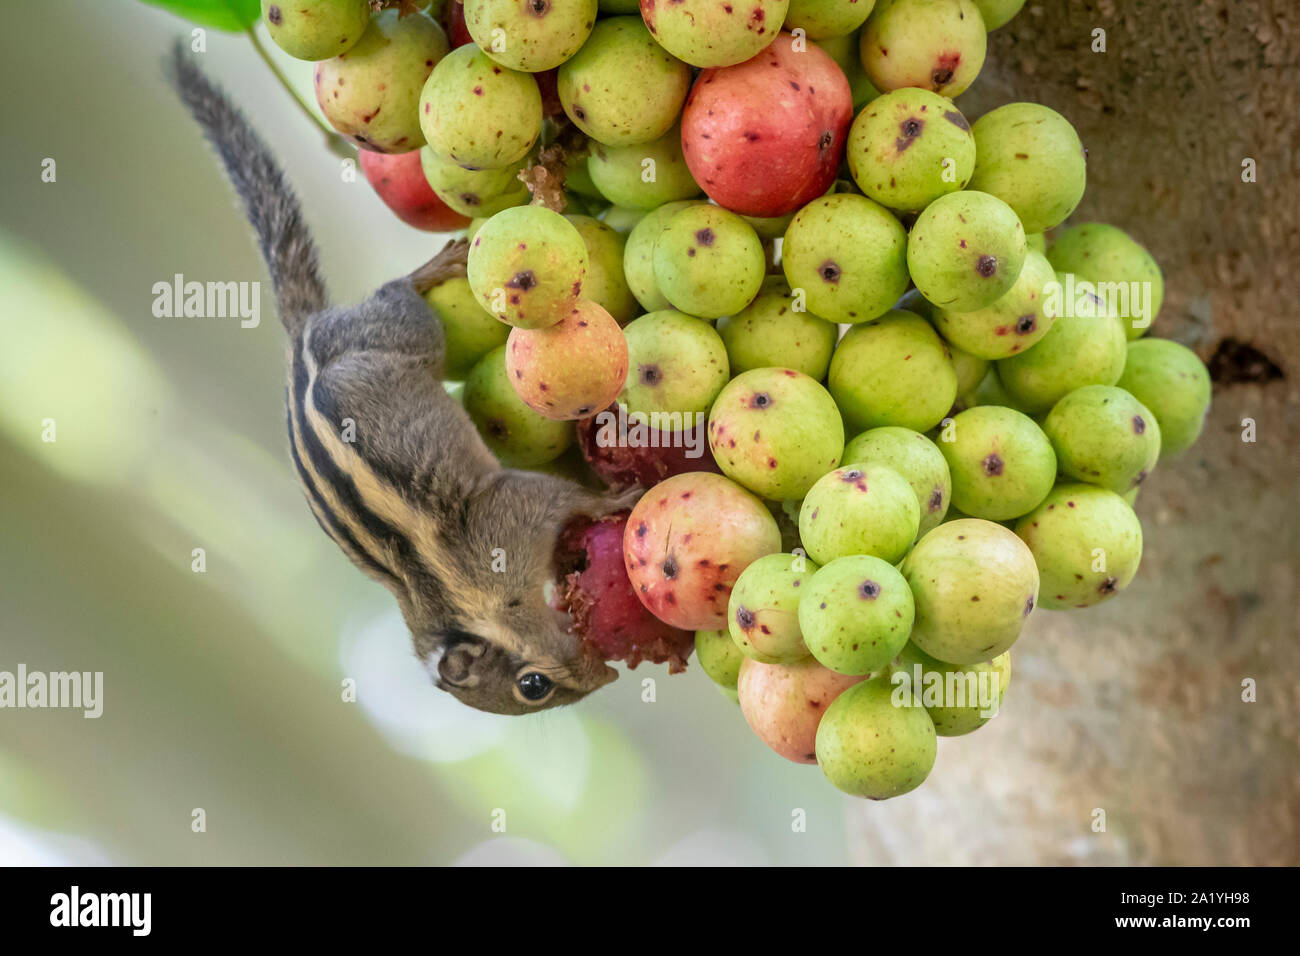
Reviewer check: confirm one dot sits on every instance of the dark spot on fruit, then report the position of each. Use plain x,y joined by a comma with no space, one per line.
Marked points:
987,265
705,237
579,112
650,375
274,15
670,568
469,199
956,119
1029,605
745,618
750,136
760,400
1139,425
851,475
539,8
936,500
478,91
825,140
829,271
1026,324
522,280
1140,477
908,130
641,529
992,465
868,590
975,597
945,68
1109,586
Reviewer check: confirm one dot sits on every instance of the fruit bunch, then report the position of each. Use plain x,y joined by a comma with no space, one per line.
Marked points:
753,258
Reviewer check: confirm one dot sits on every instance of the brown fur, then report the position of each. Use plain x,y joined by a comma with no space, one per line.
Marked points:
415,498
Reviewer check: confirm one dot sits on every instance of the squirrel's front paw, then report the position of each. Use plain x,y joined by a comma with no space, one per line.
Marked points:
598,506
624,500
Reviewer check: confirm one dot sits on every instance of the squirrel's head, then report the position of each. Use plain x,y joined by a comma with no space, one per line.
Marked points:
516,657
486,631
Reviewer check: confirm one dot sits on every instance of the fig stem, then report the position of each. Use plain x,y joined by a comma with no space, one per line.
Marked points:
545,178
333,141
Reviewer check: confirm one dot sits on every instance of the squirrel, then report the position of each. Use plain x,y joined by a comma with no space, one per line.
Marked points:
415,499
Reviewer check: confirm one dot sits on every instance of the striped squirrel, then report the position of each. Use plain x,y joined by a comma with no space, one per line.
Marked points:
416,500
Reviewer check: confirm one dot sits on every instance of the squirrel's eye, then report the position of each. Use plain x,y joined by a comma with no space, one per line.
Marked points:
535,686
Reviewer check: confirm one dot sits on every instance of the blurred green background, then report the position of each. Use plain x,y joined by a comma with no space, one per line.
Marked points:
223,689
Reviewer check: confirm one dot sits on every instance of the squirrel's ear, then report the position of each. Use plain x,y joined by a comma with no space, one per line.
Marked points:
458,656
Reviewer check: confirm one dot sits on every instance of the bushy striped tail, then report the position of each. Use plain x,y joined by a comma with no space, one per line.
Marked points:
269,201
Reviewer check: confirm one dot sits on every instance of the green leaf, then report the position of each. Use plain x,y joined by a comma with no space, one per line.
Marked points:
233,15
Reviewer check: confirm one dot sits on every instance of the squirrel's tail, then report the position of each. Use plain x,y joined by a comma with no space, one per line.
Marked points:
269,202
